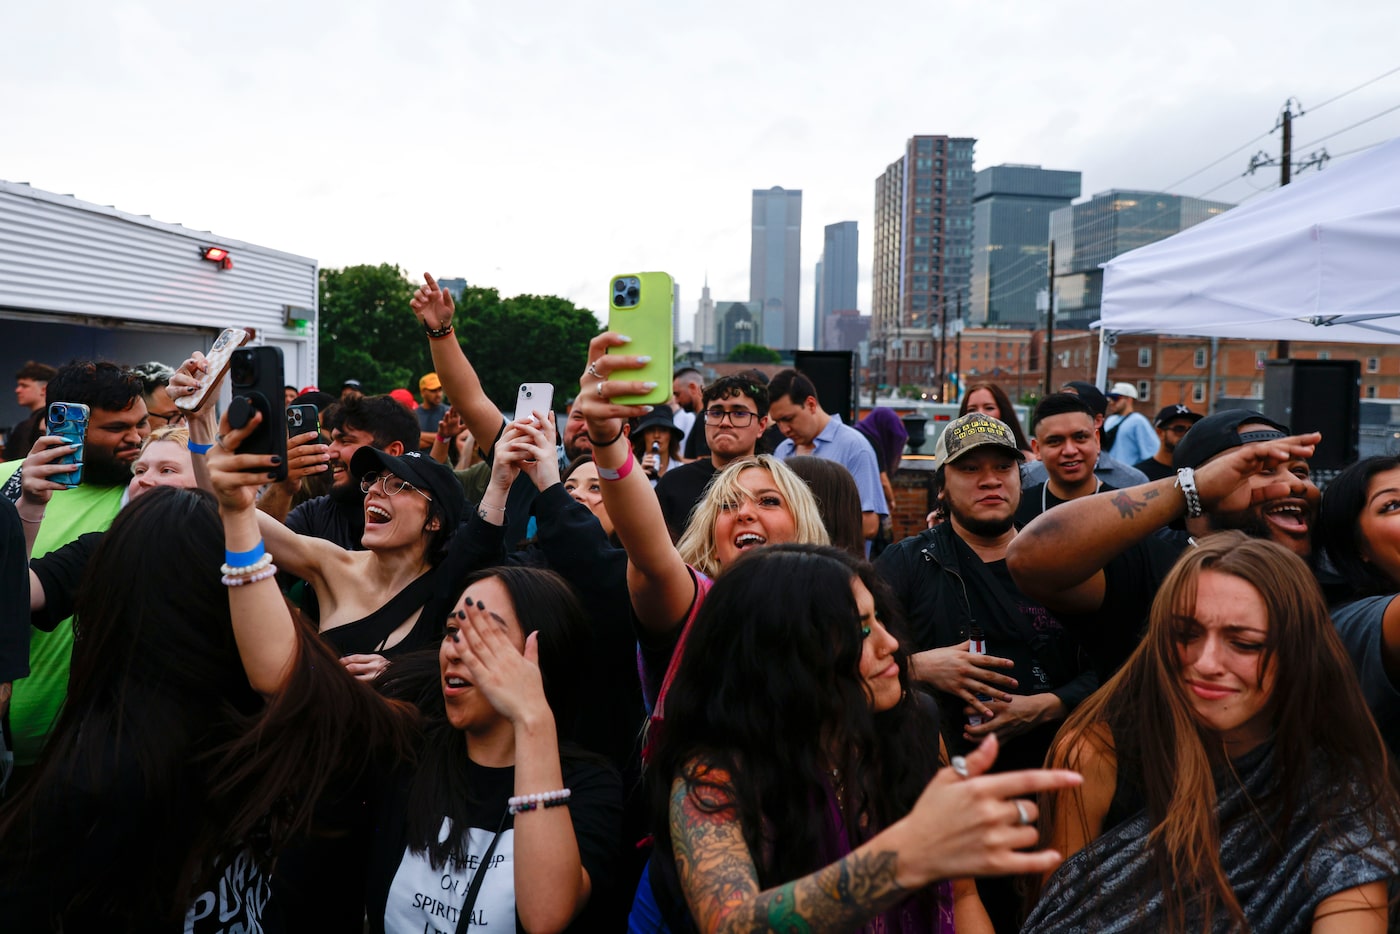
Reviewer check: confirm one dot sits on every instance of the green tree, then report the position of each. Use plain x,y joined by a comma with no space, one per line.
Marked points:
527,338
754,353
367,330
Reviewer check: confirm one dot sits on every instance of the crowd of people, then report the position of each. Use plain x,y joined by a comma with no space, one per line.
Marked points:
673,668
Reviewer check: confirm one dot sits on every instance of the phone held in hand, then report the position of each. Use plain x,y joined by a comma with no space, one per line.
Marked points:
255,375
218,359
69,420
639,306
302,418
532,398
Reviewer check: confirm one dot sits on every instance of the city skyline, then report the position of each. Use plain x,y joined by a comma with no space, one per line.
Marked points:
486,143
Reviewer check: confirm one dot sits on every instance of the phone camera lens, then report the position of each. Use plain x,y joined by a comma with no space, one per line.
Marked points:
529,394
58,415
633,292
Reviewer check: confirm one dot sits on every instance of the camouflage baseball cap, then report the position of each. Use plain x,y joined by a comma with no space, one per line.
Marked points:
971,431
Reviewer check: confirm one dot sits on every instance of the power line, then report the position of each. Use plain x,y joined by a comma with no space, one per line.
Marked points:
1355,89
1211,165
1358,123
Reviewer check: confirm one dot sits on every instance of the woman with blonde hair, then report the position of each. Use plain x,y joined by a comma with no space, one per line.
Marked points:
1233,777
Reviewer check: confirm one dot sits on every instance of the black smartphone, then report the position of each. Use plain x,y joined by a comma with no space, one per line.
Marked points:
255,376
302,418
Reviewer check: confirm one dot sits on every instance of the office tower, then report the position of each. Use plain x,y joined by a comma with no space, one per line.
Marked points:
775,263
738,323
923,252
1112,222
817,304
1011,207
837,275
456,286
704,338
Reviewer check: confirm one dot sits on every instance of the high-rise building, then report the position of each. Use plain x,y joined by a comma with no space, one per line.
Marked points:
738,323
704,338
1113,222
775,260
837,275
1011,207
923,253
817,304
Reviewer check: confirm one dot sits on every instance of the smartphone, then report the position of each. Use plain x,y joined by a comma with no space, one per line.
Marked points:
255,374
302,418
218,358
532,398
639,306
69,421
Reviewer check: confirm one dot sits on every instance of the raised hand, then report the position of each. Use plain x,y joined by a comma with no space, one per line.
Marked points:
236,477
433,306
40,468
481,650
597,387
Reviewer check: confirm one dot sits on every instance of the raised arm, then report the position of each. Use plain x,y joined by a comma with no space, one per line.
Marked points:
435,309
661,586
1058,559
38,484
959,827
262,624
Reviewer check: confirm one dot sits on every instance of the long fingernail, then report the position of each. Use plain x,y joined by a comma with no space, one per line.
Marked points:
624,337
648,408
649,385
644,359
276,459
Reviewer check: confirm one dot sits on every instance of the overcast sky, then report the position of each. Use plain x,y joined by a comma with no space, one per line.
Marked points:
544,146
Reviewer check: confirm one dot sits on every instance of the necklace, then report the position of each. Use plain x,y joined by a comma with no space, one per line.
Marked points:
839,790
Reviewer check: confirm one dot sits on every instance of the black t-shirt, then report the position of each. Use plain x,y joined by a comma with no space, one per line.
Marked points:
60,572
1154,469
335,518
680,489
405,893
1036,499
696,444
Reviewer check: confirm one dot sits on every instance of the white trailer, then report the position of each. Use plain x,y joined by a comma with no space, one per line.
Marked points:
82,281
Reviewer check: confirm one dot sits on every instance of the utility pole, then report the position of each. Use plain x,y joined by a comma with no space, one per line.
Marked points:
1050,321
943,351
957,344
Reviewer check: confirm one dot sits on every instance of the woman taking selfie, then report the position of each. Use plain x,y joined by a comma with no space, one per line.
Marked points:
1233,778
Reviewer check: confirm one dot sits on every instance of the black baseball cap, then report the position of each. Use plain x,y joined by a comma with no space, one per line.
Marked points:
1090,393
1171,413
1218,433
423,472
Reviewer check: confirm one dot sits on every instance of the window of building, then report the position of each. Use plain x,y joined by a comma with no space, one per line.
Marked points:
1370,392
1256,390
1259,357
1198,392
1144,390
1324,355
1373,365
1200,363
1144,356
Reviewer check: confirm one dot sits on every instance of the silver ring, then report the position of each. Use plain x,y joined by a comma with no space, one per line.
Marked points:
959,765
219,440
1021,814
592,370
600,392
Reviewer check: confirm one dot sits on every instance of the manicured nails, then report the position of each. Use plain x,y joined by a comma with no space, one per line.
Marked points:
649,385
644,359
625,337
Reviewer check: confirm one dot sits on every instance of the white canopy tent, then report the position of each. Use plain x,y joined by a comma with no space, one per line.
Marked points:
1316,260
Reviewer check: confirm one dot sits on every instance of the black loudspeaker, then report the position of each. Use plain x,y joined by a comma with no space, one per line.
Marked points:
1318,395
830,372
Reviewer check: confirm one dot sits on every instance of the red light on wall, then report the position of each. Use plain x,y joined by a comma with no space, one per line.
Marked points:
218,255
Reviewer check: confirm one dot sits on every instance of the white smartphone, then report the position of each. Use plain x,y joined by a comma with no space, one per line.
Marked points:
219,357
532,398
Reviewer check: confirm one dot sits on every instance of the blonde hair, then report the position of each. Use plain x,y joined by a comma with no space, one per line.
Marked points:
697,546
176,434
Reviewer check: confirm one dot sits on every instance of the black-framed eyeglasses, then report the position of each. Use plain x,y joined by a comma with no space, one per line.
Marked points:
168,418
739,418
389,485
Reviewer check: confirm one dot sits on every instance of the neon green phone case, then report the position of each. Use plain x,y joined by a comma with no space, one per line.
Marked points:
646,318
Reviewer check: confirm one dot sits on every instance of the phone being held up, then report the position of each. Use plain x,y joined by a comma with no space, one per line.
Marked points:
255,375
218,360
640,306
69,421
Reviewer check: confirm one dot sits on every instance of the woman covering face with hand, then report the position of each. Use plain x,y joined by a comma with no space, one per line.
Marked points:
1233,776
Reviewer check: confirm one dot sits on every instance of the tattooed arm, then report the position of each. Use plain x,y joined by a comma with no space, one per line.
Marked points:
959,827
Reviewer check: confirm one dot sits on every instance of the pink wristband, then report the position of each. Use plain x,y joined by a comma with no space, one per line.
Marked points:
620,472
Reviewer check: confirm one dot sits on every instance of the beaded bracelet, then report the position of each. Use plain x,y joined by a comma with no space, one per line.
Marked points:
238,581
246,570
438,333
197,448
549,799
608,474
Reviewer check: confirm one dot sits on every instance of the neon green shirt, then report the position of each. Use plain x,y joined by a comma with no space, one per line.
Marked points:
36,700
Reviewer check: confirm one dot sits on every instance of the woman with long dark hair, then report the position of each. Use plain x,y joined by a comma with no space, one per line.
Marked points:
1233,778
838,499
791,784
168,785
991,399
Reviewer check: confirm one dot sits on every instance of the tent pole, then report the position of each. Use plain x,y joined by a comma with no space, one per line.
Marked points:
1210,396
1105,348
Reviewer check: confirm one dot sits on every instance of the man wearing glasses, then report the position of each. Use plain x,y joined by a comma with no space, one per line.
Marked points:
734,413
161,409
1171,423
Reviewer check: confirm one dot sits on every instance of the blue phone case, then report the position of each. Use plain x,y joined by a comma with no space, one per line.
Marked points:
68,420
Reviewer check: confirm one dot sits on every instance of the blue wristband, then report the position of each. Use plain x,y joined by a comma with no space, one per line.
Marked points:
198,448
243,559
